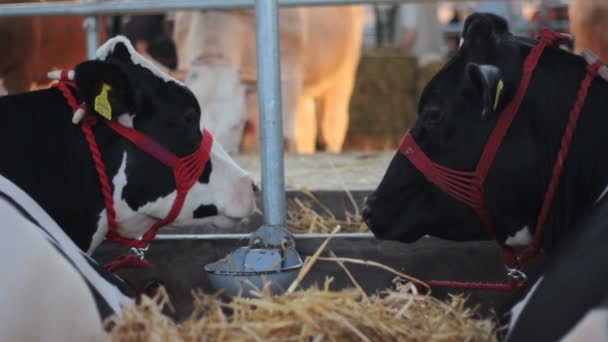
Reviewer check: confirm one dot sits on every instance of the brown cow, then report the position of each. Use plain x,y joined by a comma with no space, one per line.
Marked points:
31,46
589,24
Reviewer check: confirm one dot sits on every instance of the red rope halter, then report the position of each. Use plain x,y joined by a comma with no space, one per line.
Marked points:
468,186
186,170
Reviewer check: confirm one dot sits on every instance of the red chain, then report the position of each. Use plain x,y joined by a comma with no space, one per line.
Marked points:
513,285
127,260
100,166
468,187
562,155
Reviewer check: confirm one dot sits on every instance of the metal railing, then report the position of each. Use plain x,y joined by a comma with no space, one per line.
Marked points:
160,6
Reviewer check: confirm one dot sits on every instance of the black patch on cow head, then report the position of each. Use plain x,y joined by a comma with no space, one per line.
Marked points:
91,76
456,113
161,108
205,211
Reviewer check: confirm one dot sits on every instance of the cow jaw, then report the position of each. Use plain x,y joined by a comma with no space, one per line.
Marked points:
131,224
229,195
226,198
232,187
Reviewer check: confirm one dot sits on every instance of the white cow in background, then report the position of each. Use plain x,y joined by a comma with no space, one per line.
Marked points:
320,49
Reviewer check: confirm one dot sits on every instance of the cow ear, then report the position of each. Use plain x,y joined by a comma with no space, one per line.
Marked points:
104,88
486,80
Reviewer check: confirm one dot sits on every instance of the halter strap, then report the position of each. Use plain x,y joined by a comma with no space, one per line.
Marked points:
468,187
186,170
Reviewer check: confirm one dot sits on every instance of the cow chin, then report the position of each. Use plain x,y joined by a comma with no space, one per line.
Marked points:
396,232
216,221
225,221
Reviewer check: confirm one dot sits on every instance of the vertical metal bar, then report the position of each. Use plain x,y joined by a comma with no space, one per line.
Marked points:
271,134
91,27
544,14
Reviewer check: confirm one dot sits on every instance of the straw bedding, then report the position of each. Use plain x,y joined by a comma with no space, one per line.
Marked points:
302,216
314,314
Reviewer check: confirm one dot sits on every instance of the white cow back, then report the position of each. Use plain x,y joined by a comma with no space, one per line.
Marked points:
50,290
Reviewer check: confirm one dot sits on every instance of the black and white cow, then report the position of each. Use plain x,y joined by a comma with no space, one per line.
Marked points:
50,289
570,299
458,111
45,154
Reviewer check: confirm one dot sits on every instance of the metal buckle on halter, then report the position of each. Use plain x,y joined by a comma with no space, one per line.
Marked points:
516,274
139,252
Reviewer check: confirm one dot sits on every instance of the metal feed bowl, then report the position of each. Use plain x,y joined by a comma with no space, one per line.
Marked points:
247,269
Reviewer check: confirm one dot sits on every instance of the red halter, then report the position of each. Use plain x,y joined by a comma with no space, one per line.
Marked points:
186,170
468,186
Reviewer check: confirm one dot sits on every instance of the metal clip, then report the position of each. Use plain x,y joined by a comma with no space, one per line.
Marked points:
139,252
516,274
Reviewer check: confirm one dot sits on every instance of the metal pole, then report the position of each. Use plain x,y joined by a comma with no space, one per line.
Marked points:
271,135
91,26
544,14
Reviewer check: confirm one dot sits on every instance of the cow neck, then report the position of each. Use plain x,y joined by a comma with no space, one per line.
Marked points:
187,170
468,187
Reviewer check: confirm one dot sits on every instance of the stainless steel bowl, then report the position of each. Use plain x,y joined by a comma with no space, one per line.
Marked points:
247,269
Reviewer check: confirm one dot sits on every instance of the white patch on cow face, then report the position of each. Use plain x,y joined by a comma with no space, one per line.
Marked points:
521,238
461,42
592,327
103,52
230,190
131,223
220,93
519,307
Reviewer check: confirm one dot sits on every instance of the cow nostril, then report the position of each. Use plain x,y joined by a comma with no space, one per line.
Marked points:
256,189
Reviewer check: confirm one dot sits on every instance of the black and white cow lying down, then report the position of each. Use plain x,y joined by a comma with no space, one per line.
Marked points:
50,289
47,155
441,184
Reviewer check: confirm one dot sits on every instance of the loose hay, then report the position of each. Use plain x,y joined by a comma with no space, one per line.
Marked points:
315,314
302,216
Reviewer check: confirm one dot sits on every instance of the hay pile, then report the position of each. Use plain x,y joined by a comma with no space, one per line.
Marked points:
383,104
302,216
315,314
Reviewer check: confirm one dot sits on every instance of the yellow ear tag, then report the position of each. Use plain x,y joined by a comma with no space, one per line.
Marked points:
102,105
498,91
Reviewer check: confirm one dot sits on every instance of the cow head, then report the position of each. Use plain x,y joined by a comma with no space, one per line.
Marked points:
144,98
456,114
